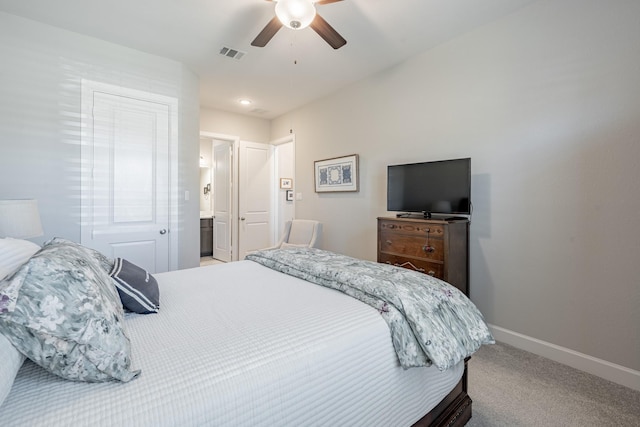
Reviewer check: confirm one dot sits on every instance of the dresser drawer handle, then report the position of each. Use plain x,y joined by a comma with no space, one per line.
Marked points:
409,264
431,273
428,249
388,242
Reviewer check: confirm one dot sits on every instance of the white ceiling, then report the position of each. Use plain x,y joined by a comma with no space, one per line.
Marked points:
379,34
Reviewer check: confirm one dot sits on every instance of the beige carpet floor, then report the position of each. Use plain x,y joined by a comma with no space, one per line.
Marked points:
511,387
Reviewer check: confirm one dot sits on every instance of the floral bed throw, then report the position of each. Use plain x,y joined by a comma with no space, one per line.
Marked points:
430,320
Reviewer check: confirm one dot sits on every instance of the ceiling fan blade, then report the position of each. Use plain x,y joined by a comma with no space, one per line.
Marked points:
327,32
267,33
321,2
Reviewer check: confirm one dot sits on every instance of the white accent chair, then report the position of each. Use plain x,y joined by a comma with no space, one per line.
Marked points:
300,232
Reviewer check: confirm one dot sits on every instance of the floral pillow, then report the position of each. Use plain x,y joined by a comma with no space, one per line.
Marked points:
105,262
67,316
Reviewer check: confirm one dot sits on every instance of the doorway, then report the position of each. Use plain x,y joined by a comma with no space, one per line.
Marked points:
284,167
255,201
246,204
221,171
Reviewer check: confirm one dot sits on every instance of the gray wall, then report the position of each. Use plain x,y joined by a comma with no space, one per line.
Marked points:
40,77
546,102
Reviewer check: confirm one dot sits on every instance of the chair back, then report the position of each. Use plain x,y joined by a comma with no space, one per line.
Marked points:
302,232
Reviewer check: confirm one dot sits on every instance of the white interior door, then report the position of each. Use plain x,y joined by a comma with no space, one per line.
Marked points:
255,210
126,198
222,196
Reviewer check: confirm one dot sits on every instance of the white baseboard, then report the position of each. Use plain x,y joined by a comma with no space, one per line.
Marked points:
601,368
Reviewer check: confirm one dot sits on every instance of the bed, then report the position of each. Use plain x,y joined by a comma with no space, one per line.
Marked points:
242,344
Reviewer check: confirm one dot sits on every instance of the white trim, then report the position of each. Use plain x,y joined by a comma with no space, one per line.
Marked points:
285,139
291,138
601,368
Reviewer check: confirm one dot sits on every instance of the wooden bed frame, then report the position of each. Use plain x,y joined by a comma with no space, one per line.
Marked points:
454,410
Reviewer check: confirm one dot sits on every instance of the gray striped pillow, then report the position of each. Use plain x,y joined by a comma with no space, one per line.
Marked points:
137,288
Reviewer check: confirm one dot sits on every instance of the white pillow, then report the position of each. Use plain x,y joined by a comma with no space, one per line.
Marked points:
11,360
14,253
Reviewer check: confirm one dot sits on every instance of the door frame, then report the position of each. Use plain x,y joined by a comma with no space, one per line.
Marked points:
88,88
233,217
277,213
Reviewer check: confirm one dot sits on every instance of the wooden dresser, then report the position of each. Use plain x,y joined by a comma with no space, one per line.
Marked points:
437,247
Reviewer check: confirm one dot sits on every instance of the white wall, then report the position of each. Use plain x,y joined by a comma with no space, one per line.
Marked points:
40,77
206,174
546,102
247,128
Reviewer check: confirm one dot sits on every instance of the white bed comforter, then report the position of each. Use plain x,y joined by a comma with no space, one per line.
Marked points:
238,345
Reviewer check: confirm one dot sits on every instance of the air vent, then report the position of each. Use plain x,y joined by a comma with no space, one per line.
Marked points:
232,53
258,111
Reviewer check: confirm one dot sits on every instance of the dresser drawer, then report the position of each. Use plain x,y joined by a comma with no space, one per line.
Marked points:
411,245
410,228
439,247
430,268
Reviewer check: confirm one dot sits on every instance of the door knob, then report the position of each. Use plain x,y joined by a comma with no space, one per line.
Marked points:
242,218
163,231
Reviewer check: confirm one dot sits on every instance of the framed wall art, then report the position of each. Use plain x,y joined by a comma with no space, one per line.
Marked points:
286,183
337,174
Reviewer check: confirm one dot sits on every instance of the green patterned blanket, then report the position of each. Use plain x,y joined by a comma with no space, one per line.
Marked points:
430,321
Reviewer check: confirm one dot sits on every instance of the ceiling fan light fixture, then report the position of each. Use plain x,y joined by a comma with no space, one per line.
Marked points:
295,14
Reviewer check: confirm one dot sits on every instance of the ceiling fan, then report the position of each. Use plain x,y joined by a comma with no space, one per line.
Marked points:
299,14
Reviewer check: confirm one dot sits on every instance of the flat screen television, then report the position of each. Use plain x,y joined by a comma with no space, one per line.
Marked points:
440,187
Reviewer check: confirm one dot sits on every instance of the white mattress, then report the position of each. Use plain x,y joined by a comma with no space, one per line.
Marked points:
237,345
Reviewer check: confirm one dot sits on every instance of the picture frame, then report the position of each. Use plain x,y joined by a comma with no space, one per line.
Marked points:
336,174
286,183
289,196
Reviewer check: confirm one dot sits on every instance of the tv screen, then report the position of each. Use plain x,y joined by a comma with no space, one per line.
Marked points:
441,187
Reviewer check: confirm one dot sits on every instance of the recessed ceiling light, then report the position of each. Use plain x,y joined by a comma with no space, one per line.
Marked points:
245,102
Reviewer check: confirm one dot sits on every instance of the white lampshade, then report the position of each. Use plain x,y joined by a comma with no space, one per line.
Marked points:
295,14
20,219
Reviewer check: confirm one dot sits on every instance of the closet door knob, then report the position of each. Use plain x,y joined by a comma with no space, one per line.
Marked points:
163,231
